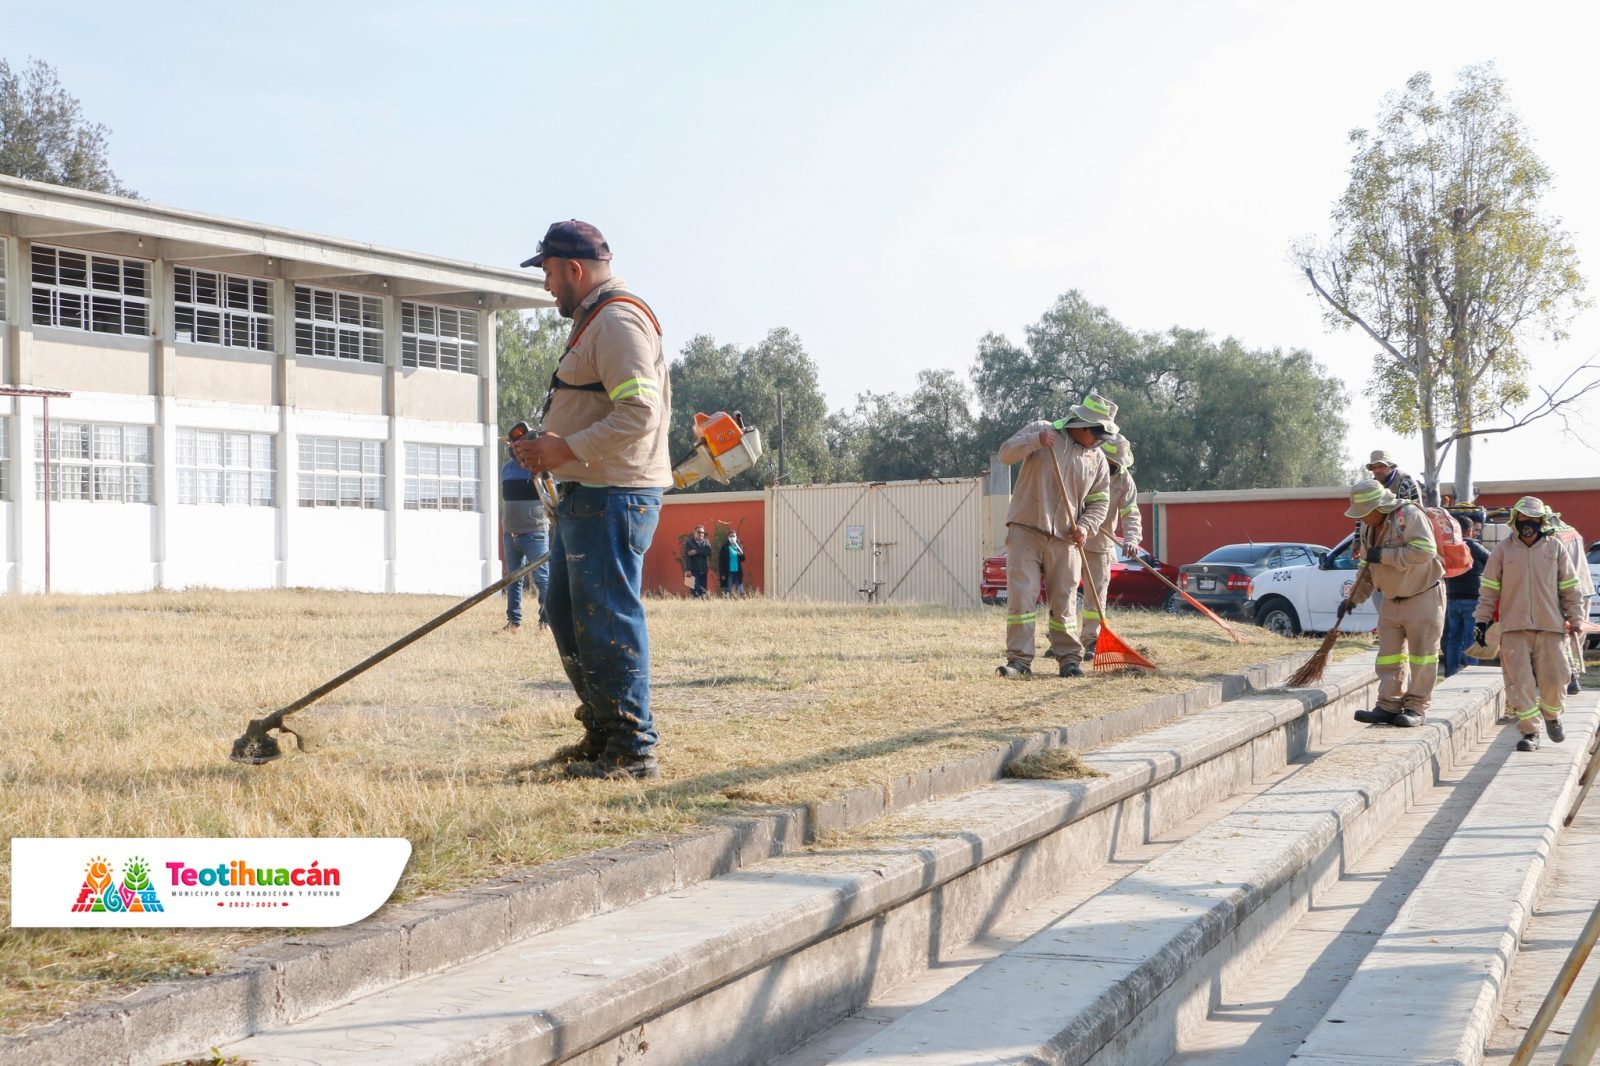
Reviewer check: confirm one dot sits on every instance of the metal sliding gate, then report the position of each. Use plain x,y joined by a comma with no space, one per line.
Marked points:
884,542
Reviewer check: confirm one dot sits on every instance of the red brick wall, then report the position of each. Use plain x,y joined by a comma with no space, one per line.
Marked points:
663,563
1193,529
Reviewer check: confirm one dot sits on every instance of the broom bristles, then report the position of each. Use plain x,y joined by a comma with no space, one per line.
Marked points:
1311,672
1111,653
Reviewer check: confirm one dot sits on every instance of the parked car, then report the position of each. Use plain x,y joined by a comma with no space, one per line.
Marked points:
1225,579
1593,640
1304,598
1131,584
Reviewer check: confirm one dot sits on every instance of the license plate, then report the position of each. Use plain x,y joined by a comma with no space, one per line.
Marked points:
1208,584
1003,595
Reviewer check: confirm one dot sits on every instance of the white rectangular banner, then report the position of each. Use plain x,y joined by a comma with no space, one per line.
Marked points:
193,882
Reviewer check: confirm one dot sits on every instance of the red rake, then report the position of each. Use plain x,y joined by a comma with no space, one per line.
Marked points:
1111,652
1196,604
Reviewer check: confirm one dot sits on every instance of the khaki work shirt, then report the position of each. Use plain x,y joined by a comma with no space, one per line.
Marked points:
1409,562
1036,497
1123,512
620,435
1534,587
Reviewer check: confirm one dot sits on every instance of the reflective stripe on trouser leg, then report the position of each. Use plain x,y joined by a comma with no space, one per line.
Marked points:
1391,664
1535,675
1422,617
1063,567
1099,567
1025,556
1550,671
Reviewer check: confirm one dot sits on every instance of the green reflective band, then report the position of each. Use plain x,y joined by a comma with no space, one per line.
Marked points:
1096,406
1553,712
1132,507
1360,563
633,387
1391,660
1109,448
1021,619
1059,627
1531,712
1424,545
1096,497
1569,583
1367,497
1091,616
1489,584
1424,660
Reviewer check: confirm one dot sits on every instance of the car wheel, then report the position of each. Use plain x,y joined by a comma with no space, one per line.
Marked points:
1173,603
1278,617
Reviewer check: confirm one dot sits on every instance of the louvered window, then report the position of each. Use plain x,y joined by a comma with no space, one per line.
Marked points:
218,466
339,472
338,325
441,477
445,338
94,461
222,309
88,291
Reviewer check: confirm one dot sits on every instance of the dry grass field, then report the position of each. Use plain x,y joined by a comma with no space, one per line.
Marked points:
119,712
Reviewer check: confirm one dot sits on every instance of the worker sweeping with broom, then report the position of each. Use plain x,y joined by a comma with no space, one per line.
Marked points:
1040,535
1122,516
1402,562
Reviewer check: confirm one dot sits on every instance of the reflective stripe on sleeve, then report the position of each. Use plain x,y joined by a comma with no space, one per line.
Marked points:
1132,507
634,387
1571,582
1096,497
1424,545
1489,584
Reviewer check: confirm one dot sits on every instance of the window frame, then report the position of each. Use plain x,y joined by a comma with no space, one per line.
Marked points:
420,347
252,483
95,468
320,485
92,297
260,327
368,344
426,464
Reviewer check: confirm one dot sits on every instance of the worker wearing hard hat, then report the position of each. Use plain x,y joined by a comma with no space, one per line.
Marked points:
1531,581
1399,553
1046,533
1121,518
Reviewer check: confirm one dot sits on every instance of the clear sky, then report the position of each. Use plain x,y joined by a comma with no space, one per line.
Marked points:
889,180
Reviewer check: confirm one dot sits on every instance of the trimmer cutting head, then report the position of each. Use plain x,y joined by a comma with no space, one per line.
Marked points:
258,746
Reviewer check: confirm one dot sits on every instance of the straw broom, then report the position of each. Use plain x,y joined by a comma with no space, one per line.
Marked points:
1311,672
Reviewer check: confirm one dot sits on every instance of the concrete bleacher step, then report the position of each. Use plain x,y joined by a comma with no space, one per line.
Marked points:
1118,978
743,967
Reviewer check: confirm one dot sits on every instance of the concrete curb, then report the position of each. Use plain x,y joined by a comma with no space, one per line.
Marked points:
743,966
287,980
1429,989
1110,981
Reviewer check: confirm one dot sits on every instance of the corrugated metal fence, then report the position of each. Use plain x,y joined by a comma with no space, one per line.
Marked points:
885,542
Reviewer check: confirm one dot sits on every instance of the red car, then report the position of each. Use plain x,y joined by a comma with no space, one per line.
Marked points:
1131,584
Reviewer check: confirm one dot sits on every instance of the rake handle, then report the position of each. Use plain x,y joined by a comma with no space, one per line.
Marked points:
1202,608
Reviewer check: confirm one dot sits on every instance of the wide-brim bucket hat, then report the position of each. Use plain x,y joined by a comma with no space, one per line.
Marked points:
1531,506
1119,450
1368,495
1095,412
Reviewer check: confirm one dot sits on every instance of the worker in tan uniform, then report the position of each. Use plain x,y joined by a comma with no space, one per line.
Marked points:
1122,517
604,439
1046,533
1532,583
1399,553
1571,540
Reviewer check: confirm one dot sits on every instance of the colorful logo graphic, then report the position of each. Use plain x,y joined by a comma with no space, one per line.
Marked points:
101,893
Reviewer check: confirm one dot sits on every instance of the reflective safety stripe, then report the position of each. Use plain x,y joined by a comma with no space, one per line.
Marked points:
1424,660
1531,712
1554,712
1391,660
1021,619
1488,584
1096,497
1367,497
1091,615
1424,545
634,387
1132,507
1569,583
1060,627
1360,563
1096,406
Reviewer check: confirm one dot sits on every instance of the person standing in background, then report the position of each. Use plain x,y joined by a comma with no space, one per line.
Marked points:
525,535
1461,599
697,560
730,566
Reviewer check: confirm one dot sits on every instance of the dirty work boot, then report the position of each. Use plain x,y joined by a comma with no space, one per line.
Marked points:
1069,668
1406,719
1529,742
511,627
1573,688
1557,731
591,747
1376,716
1015,669
612,767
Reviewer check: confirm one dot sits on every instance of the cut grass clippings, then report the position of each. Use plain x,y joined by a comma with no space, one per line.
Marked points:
120,711
1051,764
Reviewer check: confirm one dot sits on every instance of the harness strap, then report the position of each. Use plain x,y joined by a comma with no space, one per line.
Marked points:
582,323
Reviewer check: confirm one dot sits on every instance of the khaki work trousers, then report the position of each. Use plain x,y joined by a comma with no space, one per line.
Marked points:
1028,553
1535,666
1099,568
1575,641
1408,636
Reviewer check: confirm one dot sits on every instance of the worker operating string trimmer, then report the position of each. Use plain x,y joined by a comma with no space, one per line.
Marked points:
604,442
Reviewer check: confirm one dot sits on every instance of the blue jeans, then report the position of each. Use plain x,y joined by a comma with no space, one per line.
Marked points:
596,614
522,549
1458,634
699,590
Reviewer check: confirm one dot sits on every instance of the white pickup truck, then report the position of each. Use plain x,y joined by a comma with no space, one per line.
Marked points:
1305,599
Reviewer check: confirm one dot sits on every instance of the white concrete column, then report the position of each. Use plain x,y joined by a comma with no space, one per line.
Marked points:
20,351
489,463
286,452
394,449
27,511
164,435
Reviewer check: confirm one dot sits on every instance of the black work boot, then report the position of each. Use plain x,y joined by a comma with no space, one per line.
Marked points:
1557,731
1406,719
1015,669
1376,716
1068,668
1529,742
1573,688
592,746
613,767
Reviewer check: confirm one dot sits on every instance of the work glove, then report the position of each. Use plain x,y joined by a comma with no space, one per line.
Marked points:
1132,547
1373,554
1345,607
1480,632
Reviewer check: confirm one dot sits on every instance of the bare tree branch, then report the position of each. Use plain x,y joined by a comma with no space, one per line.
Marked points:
1553,404
1357,319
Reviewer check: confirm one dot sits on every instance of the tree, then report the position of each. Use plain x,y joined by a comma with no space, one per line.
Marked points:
527,349
931,433
1442,255
1202,414
708,377
43,134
